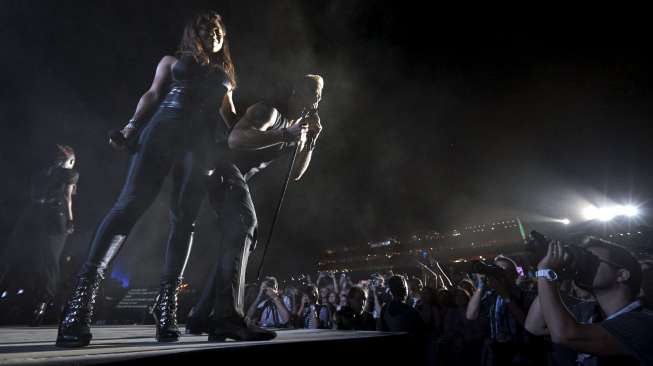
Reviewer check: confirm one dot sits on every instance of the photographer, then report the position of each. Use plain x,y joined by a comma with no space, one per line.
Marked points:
274,313
502,305
311,314
625,334
326,280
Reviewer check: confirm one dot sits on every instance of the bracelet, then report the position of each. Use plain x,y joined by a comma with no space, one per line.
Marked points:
547,274
133,124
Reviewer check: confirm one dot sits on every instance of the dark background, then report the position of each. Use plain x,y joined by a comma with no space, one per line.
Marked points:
433,117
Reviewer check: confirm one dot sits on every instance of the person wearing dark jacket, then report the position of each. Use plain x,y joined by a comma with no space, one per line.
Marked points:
29,264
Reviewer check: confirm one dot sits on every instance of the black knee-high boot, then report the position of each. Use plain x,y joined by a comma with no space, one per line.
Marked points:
165,312
75,324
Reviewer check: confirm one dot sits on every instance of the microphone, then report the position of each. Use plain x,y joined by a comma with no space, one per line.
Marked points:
119,139
309,112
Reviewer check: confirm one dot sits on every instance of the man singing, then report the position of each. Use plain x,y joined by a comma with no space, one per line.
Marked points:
267,131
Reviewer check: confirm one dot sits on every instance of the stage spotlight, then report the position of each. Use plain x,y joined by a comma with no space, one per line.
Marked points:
601,214
565,221
608,213
590,213
629,210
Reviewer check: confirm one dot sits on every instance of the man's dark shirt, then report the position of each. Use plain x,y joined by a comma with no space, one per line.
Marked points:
347,319
397,316
634,330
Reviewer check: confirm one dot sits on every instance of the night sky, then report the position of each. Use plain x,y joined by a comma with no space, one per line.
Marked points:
432,118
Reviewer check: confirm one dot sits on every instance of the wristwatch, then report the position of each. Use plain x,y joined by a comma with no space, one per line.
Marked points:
547,274
133,124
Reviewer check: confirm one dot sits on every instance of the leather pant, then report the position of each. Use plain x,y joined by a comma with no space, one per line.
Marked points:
223,295
168,144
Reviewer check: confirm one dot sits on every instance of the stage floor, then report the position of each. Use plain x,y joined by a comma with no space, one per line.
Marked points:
25,345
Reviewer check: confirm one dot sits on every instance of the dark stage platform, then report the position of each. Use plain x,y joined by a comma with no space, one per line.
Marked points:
135,344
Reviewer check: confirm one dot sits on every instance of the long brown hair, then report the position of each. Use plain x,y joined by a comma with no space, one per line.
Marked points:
191,44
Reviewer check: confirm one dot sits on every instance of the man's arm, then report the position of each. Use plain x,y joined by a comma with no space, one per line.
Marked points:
284,315
474,305
535,322
251,131
306,152
302,161
586,338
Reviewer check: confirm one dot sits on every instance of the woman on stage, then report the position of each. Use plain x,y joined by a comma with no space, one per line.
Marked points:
187,92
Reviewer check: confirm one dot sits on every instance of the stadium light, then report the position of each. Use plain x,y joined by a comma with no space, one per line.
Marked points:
608,213
629,210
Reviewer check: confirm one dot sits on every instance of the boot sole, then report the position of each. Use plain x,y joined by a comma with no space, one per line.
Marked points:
167,340
73,343
220,338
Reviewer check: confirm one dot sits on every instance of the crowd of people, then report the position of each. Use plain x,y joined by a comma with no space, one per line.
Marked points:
498,318
594,313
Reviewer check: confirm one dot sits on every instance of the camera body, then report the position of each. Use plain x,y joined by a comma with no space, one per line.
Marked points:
580,265
481,267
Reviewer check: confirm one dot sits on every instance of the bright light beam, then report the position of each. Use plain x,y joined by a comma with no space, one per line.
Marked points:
608,213
629,210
